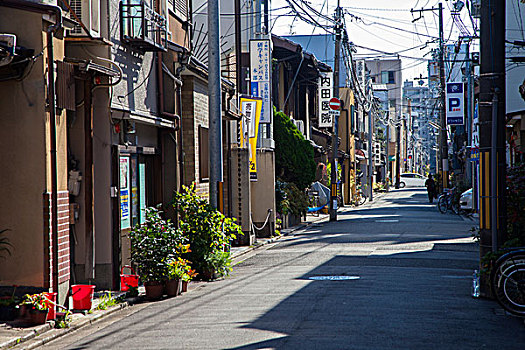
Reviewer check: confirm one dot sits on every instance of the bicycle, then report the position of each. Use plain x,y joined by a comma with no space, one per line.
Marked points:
446,202
508,281
360,197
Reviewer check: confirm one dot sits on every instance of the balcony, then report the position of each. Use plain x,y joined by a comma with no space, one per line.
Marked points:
142,27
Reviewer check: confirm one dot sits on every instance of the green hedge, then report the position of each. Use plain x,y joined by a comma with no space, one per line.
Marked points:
294,155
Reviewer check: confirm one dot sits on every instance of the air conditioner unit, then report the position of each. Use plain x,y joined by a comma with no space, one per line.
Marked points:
88,11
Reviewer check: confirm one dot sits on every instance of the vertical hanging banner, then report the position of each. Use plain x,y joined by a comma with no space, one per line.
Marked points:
251,109
455,104
325,92
260,75
125,218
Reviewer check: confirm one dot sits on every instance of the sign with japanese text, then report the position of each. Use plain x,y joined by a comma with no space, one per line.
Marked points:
251,109
454,102
325,90
125,218
260,75
474,142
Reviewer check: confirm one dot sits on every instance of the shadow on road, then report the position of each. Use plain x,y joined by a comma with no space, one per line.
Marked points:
400,301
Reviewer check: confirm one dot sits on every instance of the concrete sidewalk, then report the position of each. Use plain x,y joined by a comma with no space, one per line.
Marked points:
12,334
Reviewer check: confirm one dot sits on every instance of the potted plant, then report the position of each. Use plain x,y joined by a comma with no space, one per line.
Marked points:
208,231
34,308
176,269
153,245
8,309
188,275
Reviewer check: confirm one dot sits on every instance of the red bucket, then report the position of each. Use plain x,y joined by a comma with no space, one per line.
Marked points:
82,296
52,314
128,280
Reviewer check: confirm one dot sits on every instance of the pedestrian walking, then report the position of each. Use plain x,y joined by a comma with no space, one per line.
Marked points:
431,188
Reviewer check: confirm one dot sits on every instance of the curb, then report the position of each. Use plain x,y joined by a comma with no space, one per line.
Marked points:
48,333
284,233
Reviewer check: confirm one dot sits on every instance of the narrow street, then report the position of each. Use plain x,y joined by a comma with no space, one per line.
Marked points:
410,271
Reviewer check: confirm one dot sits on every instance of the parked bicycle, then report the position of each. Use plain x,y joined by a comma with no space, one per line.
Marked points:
508,281
360,197
446,202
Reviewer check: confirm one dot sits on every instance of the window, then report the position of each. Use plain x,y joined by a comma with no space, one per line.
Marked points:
388,77
179,8
141,26
204,164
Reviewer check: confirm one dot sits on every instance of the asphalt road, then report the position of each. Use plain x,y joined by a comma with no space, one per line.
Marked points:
409,271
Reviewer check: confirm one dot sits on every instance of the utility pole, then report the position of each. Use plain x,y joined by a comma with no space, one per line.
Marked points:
370,154
398,154
442,117
470,104
492,160
215,104
443,139
335,138
387,172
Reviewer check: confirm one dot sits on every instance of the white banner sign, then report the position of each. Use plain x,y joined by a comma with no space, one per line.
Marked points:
455,104
260,60
326,91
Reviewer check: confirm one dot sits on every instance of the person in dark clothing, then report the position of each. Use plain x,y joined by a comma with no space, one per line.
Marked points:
431,188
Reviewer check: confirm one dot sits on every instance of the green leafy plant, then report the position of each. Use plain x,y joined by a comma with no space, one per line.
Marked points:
64,321
207,230
153,244
132,292
5,245
294,156
107,301
8,301
278,226
181,269
36,301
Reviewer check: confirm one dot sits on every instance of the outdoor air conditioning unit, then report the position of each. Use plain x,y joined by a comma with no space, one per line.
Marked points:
88,11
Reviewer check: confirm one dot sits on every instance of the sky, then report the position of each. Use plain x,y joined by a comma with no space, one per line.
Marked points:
372,24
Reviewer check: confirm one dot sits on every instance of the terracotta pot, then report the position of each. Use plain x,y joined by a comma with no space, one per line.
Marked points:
209,275
31,316
154,290
173,287
38,316
184,286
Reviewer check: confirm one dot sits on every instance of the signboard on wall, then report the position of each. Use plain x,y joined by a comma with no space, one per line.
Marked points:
455,106
125,217
260,74
251,109
325,93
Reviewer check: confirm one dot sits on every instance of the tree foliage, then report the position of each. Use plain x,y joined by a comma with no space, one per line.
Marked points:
294,155
208,231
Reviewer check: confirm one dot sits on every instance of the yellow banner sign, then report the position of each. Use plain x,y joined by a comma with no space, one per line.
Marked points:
251,108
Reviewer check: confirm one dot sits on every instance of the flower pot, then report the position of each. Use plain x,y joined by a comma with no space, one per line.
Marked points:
184,287
37,317
8,313
32,317
154,290
173,287
209,275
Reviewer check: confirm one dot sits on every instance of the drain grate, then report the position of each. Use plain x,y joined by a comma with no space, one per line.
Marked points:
334,278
